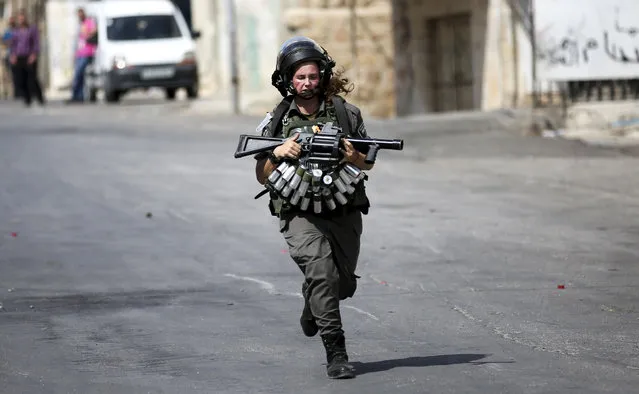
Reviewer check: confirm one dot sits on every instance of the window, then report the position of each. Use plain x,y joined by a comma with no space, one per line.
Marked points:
142,27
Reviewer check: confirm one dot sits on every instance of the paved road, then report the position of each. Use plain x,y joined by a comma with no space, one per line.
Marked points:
470,235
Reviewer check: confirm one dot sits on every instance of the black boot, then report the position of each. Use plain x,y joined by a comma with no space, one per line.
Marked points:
307,321
337,366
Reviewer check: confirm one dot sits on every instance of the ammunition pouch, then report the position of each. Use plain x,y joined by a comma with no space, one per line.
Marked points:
294,188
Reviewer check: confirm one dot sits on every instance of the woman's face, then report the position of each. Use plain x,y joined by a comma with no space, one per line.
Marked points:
306,79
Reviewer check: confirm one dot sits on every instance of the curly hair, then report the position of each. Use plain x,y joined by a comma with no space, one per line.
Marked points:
338,84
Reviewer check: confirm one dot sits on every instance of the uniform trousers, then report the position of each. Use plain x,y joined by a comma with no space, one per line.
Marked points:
326,250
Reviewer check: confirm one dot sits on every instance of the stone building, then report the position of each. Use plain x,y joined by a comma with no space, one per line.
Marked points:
356,33
404,56
462,55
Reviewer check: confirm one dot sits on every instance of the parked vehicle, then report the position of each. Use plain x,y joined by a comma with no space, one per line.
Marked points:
141,44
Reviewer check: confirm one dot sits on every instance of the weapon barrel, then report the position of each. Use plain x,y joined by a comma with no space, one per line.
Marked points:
364,143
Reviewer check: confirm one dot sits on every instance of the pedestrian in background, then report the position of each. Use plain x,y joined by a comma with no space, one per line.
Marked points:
6,58
25,52
84,54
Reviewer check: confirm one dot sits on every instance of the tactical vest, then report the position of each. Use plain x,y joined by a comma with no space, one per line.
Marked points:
290,126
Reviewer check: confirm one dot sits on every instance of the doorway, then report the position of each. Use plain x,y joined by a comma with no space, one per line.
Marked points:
451,65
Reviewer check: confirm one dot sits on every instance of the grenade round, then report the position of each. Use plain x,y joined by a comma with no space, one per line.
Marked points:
328,198
280,184
340,197
306,182
317,174
339,184
306,201
278,171
296,197
288,174
345,177
288,189
297,178
317,203
354,172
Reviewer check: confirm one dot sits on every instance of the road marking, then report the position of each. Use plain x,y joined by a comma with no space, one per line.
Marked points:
363,312
263,284
432,248
270,288
177,215
383,282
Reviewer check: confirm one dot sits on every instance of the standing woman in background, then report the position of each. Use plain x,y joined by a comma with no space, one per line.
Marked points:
6,59
25,51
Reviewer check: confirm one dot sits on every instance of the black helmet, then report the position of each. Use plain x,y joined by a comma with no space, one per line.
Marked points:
292,52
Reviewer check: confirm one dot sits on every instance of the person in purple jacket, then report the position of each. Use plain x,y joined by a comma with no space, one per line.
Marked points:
25,51
6,62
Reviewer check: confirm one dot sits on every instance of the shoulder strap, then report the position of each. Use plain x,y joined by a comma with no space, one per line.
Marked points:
278,114
342,117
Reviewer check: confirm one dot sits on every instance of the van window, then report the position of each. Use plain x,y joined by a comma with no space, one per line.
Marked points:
142,27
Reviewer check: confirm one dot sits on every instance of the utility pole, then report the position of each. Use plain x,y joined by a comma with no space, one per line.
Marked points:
232,30
533,43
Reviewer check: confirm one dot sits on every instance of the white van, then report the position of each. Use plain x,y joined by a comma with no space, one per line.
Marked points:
141,44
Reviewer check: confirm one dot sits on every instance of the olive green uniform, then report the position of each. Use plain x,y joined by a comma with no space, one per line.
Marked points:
325,246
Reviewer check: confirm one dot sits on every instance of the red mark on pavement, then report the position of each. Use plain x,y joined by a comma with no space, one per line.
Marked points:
561,286
284,251
383,282
14,235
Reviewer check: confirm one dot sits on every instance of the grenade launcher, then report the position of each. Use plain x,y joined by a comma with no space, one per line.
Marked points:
321,148
319,176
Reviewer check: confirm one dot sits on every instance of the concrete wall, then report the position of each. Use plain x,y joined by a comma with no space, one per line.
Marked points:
258,30
60,35
358,34
365,51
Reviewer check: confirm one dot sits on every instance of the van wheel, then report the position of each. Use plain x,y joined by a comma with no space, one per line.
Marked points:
193,92
112,96
170,93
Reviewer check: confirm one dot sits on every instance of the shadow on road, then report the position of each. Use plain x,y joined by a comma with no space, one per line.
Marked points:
427,361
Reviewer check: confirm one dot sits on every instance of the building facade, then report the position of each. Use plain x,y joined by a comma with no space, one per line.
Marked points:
462,55
403,56
356,33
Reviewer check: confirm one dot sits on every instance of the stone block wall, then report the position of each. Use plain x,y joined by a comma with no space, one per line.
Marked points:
358,35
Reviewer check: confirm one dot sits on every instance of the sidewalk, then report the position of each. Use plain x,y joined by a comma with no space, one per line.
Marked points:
605,133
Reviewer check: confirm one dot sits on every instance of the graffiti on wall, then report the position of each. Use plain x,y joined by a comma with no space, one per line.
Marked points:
585,40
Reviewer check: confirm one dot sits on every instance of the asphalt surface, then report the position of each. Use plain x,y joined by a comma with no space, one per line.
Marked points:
134,259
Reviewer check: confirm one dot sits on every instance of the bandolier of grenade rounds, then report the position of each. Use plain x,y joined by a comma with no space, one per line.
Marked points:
298,185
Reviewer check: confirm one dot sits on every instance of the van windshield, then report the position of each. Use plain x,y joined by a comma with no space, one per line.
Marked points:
142,27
